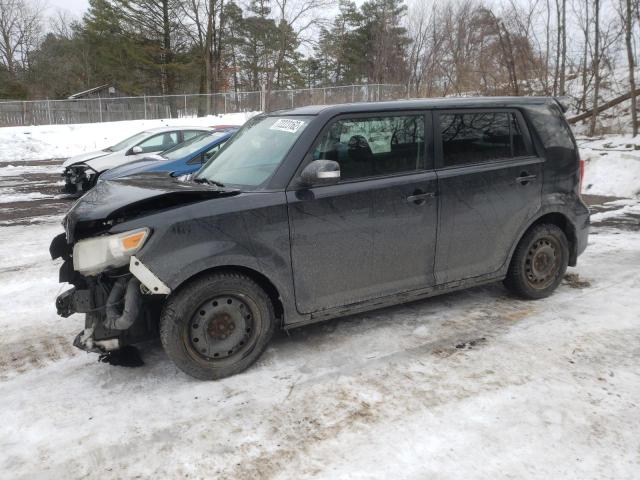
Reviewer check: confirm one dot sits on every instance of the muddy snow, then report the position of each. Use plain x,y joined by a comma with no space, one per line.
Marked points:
475,384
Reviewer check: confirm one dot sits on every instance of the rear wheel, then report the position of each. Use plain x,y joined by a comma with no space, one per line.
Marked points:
539,262
217,325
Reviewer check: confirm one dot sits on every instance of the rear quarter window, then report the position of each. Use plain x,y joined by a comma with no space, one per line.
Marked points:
550,125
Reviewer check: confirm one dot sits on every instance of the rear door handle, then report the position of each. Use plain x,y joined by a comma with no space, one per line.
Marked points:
524,179
419,198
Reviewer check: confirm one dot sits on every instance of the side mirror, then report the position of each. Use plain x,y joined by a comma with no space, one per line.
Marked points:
136,150
321,172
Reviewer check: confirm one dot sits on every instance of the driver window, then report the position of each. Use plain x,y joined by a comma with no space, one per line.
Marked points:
367,147
161,142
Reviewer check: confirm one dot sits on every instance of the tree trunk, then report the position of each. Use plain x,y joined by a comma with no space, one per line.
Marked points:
585,82
563,55
218,59
596,68
605,106
556,75
167,74
630,60
547,49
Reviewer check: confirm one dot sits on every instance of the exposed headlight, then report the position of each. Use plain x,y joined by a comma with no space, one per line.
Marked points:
94,255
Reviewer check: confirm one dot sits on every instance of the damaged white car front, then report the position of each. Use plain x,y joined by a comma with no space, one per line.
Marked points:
78,178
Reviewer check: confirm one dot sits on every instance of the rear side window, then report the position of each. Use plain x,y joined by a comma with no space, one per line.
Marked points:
163,141
551,126
480,137
367,147
189,134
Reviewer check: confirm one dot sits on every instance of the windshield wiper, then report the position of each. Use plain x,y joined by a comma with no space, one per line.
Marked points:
208,182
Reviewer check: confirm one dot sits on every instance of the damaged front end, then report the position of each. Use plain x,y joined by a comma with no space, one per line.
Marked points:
120,297
78,178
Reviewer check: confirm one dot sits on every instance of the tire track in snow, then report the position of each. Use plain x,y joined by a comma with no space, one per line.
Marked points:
19,358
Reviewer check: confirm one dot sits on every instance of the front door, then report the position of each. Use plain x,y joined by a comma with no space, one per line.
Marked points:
373,234
490,187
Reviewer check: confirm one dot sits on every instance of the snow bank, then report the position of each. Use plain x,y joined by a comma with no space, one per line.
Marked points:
612,166
62,141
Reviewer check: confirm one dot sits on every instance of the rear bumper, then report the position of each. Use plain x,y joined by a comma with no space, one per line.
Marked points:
582,239
582,225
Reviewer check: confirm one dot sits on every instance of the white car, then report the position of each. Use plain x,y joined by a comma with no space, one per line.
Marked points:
81,172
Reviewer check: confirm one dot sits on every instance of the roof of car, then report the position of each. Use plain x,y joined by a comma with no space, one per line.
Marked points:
172,129
415,104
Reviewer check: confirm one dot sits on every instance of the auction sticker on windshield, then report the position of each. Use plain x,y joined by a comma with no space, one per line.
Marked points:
287,125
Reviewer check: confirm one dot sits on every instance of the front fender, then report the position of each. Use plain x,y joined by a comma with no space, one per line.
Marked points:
250,230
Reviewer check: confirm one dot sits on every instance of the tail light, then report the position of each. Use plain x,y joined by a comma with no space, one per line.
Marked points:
581,175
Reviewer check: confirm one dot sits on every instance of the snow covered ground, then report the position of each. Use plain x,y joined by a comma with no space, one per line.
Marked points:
612,165
475,384
59,141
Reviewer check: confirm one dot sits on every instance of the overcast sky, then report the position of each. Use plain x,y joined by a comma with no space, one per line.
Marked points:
76,7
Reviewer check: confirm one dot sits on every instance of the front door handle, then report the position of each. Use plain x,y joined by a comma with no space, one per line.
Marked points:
419,197
525,178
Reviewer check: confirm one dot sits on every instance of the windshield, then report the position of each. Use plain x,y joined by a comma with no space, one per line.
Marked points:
131,141
191,146
253,154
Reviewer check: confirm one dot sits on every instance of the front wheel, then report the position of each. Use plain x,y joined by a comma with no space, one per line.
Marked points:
539,262
217,325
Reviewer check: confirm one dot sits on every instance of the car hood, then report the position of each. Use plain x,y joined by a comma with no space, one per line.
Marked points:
114,201
112,160
135,167
84,157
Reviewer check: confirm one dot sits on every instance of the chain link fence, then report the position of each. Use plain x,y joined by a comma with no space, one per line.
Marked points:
92,110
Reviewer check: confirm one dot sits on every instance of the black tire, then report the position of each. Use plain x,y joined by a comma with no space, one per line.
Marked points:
217,325
539,262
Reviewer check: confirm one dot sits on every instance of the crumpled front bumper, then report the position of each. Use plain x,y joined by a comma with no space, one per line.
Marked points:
78,179
121,307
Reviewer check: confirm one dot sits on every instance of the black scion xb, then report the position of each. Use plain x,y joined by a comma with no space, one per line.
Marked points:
324,211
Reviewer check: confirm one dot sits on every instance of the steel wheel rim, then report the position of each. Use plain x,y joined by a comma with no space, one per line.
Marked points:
542,262
222,327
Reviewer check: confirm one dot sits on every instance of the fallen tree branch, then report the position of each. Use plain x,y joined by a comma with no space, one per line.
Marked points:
605,106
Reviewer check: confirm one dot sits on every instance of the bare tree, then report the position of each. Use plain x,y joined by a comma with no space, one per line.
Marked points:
20,28
596,66
582,12
295,19
626,13
563,52
60,24
204,22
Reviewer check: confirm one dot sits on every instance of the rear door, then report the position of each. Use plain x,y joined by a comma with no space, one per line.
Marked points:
372,234
490,186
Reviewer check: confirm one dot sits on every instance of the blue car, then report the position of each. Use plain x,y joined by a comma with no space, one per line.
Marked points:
183,159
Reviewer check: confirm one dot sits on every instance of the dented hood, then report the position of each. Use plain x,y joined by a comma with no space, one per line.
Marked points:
112,201
84,157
